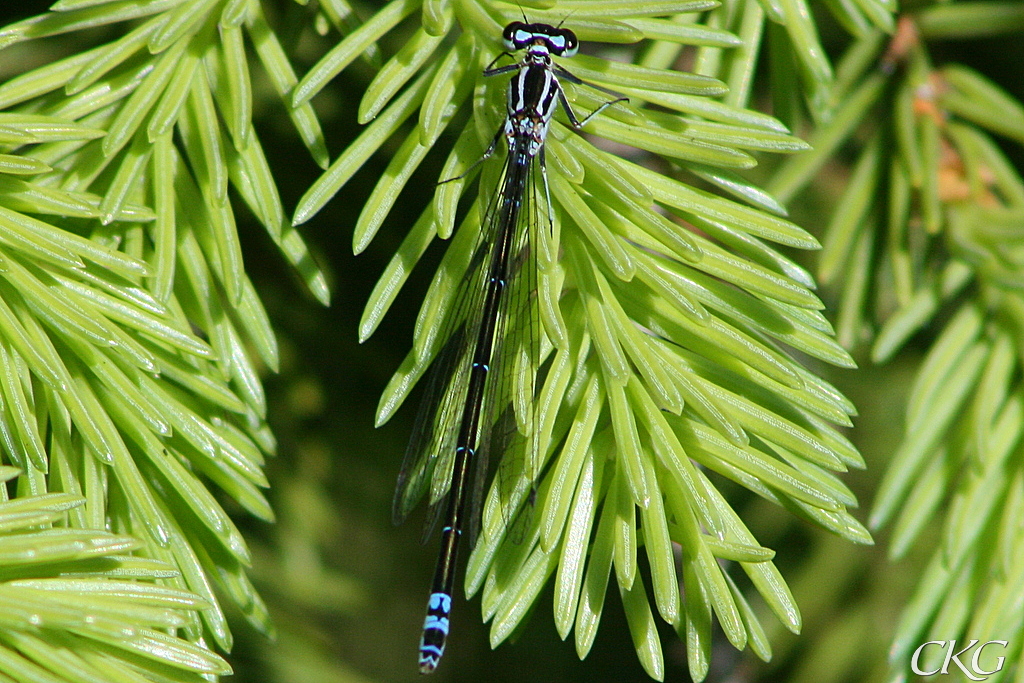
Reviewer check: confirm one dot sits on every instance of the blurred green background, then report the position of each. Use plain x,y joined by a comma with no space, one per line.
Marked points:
347,589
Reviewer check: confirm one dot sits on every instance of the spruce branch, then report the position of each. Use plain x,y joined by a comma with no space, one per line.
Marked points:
927,236
131,339
77,606
666,312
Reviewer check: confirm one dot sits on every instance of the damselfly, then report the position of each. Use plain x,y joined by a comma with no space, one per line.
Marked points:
462,404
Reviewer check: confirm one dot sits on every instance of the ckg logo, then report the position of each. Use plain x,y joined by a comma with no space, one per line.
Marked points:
973,671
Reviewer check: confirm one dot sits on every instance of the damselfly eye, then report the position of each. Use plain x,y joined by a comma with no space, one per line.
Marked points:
564,42
516,36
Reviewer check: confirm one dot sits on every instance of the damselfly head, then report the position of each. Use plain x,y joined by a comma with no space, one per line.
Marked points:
561,42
